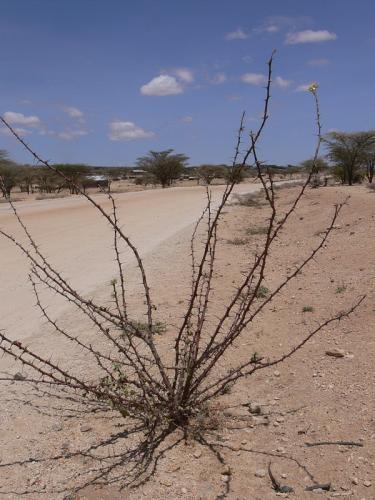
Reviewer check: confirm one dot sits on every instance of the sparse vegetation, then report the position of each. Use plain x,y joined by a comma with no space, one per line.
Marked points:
210,172
262,292
8,174
307,309
237,241
350,153
235,174
164,166
253,231
163,397
255,200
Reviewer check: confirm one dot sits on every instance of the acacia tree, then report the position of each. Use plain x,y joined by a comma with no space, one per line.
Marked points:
235,174
26,178
317,167
74,175
369,163
164,166
210,172
163,401
348,152
8,174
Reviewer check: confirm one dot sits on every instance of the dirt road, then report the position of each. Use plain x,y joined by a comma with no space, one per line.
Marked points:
311,397
78,241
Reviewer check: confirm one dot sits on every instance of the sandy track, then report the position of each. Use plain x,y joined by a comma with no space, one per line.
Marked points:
311,397
77,241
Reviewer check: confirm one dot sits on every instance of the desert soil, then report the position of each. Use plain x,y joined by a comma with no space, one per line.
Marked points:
311,397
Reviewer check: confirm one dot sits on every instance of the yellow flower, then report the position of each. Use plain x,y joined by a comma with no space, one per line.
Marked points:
313,87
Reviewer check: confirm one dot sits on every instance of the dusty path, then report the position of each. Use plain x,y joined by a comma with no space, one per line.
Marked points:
78,241
312,397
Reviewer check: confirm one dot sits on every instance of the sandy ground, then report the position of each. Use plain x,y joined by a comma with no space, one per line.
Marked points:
311,397
79,242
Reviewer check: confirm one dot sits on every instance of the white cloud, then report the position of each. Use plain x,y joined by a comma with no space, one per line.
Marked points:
127,131
20,119
282,83
73,112
238,34
275,24
247,59
162,85
254,78
309,36
69,134
318,62
272,28
218,78
184,74
187,119
20,131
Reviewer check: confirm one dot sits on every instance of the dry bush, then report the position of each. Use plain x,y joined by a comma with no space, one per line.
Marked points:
162,401
288,185
253,200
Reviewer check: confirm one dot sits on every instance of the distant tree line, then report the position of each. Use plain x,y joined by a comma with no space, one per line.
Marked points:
33,179
350,159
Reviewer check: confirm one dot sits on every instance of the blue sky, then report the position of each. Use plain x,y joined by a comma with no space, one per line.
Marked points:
103,82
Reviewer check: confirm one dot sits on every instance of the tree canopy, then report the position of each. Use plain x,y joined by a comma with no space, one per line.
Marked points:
164,166
8,173
210,172
349,153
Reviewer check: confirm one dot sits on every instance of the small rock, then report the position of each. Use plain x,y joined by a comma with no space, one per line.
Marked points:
197,454
244,442
284,476
166,482
260,473
255,409
280,450
355,480
65,447
336,353
175,468
19,376
224,478
261,420
183,491
367,484
280,419
56,428
227,471
276,373
85,428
